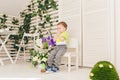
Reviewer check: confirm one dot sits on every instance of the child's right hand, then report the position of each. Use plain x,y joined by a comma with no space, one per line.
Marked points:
56,36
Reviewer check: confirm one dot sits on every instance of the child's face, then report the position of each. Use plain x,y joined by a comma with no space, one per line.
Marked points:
61,28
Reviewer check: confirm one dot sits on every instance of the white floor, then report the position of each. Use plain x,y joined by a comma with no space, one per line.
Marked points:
25,70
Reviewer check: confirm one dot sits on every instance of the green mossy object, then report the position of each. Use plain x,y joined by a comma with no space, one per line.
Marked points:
103,70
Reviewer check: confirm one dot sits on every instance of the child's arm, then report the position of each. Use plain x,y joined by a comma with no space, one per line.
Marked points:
62,38
55,38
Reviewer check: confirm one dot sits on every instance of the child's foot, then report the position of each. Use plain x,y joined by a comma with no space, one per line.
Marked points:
55,69
48,69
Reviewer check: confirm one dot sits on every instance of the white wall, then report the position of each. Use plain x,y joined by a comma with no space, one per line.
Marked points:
117,19
13,7
98,31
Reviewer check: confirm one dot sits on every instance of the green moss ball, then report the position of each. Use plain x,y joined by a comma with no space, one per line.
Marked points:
103,70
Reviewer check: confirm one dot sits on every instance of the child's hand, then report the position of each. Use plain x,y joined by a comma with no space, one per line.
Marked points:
61,38
58,34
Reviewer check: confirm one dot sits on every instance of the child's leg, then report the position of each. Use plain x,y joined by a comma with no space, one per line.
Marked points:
52,56
60,53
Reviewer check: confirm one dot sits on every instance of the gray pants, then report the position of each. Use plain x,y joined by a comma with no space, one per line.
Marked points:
56,54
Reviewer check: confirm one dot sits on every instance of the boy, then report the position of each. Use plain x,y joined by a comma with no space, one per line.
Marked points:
61,39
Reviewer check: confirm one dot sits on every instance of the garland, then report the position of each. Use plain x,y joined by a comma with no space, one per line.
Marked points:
23,28
45,18
3,20
43,7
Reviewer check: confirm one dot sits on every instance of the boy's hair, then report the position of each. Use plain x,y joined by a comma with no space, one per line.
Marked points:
63,23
